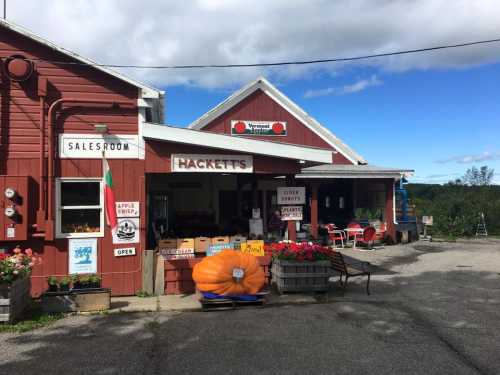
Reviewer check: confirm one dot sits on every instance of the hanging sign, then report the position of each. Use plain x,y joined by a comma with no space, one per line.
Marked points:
292,195
291,213
127,231
124,252
254,247
91,146
82,255
127,209
211,163
267,128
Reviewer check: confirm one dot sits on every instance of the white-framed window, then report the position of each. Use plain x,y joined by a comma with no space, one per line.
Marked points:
80,207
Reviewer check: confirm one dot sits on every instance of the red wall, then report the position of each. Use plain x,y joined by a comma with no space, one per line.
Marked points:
19,148
260,107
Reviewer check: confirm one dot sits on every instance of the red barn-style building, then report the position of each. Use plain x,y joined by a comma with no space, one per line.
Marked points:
61,113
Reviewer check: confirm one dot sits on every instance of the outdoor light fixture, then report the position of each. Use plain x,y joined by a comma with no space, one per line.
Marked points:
10,193
101,128
302,161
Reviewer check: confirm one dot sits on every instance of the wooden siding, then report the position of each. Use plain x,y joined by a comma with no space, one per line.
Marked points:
260,107
19,150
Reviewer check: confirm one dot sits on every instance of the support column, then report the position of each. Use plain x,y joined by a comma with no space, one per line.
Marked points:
292,230
389,209
264,210
314,211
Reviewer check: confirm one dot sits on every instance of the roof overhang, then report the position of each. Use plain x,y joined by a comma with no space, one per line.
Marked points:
353,171
146,92
237,144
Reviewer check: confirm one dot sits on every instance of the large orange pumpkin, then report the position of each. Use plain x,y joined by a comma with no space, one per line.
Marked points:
229,272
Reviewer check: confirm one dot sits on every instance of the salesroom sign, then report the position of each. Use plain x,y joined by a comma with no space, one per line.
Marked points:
291,213
292,195
212,163
267,128
91,146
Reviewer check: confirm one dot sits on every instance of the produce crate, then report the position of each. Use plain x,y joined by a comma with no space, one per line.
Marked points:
14,299
81,300
295,276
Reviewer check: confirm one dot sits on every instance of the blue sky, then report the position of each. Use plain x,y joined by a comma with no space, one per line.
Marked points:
406,111
414,119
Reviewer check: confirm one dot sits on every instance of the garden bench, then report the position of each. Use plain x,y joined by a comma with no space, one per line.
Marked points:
350,269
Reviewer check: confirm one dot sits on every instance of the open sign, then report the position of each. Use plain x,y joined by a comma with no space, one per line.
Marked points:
125,252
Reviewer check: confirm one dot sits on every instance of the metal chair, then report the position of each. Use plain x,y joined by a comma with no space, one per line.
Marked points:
336,235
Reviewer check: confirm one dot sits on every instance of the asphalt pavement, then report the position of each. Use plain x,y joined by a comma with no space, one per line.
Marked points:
434,309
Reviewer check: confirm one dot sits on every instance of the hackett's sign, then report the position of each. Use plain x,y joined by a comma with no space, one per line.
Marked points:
212,163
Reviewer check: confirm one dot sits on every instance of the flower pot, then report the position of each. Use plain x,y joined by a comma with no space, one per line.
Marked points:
77,285
14,299
96,285
52,288
301,276
64,287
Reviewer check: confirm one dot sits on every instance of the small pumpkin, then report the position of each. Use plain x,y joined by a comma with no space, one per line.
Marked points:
229,272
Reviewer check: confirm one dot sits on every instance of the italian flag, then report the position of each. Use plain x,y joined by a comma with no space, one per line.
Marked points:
109,196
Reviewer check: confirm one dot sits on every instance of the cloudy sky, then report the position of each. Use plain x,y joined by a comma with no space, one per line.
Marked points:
437,112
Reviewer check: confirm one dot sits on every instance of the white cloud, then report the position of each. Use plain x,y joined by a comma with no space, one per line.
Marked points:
239,31
472,158
346,89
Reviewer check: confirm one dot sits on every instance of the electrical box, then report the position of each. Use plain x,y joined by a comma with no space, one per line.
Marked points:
14,208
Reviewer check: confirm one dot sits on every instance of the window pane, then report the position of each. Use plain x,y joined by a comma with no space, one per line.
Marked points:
80,193
80,221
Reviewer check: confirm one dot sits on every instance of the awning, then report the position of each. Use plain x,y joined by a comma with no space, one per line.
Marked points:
238,144
353,171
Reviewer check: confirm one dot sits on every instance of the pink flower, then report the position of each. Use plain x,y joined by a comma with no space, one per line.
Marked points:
17,250
28,252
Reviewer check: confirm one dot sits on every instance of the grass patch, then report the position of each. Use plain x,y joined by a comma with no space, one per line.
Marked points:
33,320
144,294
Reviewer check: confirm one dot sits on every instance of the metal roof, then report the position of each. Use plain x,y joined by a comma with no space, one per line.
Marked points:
147,91
352,171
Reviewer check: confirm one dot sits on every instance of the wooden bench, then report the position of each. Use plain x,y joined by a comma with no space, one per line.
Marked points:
350,269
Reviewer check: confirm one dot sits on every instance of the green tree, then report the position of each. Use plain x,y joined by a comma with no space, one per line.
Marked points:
478,177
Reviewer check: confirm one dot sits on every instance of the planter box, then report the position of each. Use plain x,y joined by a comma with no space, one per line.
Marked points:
81,300
295,276
14,299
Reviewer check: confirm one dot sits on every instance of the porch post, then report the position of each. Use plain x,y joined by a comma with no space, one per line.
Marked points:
389,209
264,210
292,230
314,210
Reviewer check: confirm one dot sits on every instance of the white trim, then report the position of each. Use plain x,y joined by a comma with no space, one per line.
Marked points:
141,119
146,91
240,144
349,175
394,218
59,208
270,90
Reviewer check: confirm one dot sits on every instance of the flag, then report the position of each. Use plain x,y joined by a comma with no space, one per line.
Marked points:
109,196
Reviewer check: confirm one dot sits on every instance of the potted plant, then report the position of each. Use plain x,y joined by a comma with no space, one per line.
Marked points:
75,279
84,281
95,281
300,267
64,284
15,282
53,285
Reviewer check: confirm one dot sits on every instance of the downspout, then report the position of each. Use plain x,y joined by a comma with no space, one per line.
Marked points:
50,168
40,219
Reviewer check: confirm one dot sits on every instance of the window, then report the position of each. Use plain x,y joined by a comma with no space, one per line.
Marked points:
80,206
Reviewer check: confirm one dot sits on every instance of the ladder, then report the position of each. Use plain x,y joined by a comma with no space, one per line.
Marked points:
481,226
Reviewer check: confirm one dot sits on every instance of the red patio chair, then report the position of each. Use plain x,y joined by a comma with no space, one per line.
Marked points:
336,235
353,236
367,238
381,232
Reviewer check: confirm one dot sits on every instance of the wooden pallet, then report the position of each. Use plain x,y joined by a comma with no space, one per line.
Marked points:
208,304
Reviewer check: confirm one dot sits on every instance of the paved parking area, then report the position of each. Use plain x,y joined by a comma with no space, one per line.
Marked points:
435,309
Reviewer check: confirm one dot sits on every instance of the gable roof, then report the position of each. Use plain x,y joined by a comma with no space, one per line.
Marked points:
262,84
148,92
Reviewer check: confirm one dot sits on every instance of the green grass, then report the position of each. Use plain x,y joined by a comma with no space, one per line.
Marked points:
144,294
33,320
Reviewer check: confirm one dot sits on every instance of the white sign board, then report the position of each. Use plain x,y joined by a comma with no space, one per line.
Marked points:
91,146
124,251
211,163
266,128
291,213
82,255
292,195
127,209
128,231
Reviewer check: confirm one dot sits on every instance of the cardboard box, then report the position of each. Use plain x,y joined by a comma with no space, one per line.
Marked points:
220,240
237,239
185,243
201,244
168,243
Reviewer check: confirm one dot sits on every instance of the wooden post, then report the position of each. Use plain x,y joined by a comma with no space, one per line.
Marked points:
160,276
389,209
314,210
264,210
292,230
148,271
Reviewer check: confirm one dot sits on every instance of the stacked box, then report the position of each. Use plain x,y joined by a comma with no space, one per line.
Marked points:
201,244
